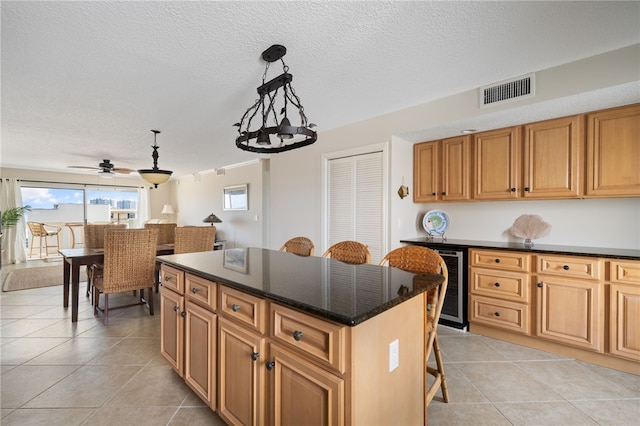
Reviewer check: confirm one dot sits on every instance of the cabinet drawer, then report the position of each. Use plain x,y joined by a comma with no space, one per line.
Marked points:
503,285
624,272
510,316
589,268
502,260
201,291
172,278
321,340
244,308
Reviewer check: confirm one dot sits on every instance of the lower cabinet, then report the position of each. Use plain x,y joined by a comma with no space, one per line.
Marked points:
624,309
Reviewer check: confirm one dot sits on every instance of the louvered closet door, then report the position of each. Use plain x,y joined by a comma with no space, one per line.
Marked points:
355,201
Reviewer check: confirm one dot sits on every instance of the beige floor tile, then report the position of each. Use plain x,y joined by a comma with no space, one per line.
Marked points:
25,327
505,382
193,400
465,414
76,351
612,412
21,311
461,390
153,386
143,415
22,350
514,352
88,386
187,416
47,417
130,351
23,383
544,413
574,381
66,328
466,348
626,380
4,412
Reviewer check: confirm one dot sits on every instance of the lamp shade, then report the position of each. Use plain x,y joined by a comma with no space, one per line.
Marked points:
167,209
212,218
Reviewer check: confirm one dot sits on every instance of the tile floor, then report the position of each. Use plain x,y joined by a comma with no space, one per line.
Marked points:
56,373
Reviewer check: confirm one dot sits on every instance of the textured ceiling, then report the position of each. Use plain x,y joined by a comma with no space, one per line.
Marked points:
84,81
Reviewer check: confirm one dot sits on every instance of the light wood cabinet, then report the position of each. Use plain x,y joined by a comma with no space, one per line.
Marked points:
613,152
497,164
552,155
570,300
499,290
442,170
624,309
199,352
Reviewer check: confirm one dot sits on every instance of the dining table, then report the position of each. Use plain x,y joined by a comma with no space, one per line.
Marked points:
74,258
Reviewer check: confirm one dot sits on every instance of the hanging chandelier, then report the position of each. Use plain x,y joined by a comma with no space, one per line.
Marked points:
261,128
155,175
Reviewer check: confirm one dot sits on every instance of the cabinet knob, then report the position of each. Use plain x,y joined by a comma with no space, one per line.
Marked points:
183,314
194,290
235,307
255,356
539,285
444,193
526,188
166,277
497,284
176,308
497,260
513,190
270,365
433,193
497,314
297,335
565,267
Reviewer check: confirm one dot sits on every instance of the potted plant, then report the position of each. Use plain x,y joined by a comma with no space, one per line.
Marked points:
10,218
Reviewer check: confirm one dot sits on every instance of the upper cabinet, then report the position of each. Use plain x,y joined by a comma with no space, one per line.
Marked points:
581,156
613,152
442,170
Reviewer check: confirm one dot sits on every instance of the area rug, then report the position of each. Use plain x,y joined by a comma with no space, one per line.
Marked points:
42,276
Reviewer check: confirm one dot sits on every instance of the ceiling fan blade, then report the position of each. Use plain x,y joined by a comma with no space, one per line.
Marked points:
122,170
85,167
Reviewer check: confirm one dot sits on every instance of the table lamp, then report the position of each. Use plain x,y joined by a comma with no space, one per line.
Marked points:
212,218
167,209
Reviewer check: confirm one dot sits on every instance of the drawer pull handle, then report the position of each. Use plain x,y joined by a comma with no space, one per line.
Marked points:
497,284
183,314
297,335
497,314
539,285
255,356
235,307
565,267
176,308
194,290
497,260
270,365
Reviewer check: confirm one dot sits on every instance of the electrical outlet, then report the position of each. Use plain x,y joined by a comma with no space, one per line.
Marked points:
394,356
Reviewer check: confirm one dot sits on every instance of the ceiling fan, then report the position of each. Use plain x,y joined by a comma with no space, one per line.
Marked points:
106,168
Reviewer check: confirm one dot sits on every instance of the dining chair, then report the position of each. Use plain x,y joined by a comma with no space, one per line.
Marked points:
166,231
422,260
302,246
192,239
43,231
351,252
94,239
129,264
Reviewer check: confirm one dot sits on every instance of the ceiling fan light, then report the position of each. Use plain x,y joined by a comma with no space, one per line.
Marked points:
106,174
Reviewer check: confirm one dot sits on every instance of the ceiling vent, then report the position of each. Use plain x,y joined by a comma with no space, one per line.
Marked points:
508,90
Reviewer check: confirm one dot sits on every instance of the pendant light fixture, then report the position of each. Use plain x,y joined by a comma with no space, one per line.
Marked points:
261,128
155,175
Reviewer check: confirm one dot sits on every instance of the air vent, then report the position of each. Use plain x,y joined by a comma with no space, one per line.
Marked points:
219,172
508,90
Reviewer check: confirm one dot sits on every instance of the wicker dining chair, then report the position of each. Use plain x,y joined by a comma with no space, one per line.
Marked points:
166,231
94,239
302,246
192,239
419,260
351,252
43,231
129,264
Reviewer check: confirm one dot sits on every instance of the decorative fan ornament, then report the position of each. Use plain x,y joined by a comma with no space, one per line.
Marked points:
530,227
105,168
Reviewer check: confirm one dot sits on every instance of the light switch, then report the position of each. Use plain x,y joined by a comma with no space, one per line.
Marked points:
394,356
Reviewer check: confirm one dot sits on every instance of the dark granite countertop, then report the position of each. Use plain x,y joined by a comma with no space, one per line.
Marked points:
537,248
324,287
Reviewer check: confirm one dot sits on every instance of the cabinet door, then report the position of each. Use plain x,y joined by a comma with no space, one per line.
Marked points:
200,352
456,169
302,393
241,375
624,333
171,328
426,167
552,152
613,152
571,312
496,160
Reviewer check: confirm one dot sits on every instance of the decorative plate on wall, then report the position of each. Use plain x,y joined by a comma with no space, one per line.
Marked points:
435,222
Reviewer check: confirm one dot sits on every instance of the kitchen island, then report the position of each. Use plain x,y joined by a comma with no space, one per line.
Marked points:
267,337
